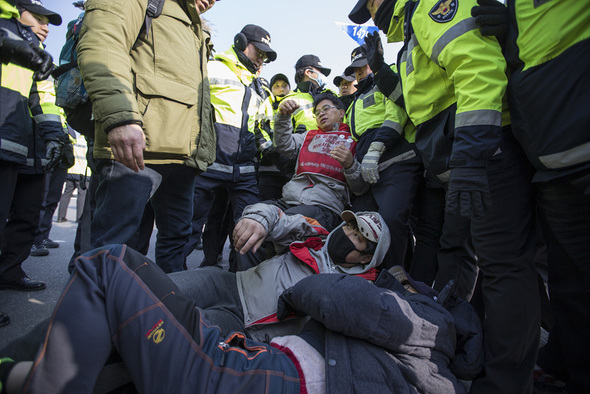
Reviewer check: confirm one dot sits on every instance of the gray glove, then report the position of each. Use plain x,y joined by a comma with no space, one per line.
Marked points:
53,151
370,163
469,192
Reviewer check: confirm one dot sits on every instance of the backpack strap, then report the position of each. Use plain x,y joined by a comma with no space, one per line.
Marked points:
154,10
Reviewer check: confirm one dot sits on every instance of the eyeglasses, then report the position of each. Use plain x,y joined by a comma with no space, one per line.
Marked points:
324,109
261,54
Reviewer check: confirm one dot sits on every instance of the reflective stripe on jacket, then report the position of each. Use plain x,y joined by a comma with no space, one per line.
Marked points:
548,50
25,108
236,105
445,62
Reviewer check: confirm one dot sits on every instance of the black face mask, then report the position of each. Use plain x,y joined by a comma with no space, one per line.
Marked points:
384,14
339,246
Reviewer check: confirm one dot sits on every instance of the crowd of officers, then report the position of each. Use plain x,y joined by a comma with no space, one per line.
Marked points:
479,129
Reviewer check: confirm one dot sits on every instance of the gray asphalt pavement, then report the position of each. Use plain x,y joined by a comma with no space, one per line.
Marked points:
26,309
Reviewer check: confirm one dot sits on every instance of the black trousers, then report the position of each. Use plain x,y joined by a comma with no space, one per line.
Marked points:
20,203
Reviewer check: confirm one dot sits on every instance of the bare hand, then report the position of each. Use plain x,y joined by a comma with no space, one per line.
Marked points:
248,234
128,144
287,107
343,155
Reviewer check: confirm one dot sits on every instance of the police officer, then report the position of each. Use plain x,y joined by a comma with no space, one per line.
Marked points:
453,82
236,95
387,156
308,69
274,170
548,52
14,49
27,112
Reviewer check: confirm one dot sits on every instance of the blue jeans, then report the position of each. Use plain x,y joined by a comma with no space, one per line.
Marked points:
122,195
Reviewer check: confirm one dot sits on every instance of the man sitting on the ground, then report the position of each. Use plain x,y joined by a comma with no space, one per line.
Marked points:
318,189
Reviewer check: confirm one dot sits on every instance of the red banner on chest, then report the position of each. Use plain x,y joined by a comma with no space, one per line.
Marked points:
314,156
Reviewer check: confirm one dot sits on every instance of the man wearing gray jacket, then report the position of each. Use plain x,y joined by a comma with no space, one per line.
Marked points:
247,300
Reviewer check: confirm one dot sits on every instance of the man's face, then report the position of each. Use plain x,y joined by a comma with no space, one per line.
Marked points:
312,74
346,87
39,24
360,243
280,88
326,113
362,72
373,6
204,5
256,56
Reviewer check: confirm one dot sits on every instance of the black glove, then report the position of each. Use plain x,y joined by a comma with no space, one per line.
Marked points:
43,71
22,53
373,50
53,152
285,307
469,192
492,18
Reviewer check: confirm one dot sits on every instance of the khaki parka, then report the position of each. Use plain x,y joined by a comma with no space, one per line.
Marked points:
157,79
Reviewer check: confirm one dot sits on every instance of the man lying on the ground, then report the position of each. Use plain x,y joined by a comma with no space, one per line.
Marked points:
246,301
365,338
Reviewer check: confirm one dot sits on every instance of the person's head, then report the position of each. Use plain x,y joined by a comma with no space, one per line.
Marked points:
328,109
346,84
358,65
355,241
381,11
35,15
309,68
254,42
204,5
279,85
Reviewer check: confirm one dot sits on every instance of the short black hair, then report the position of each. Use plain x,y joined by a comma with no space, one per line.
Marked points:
300,73
327,95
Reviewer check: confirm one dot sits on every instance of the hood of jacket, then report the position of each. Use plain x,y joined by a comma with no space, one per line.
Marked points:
378,256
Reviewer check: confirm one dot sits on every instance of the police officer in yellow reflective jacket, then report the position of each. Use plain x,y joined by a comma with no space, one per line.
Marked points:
236,95
14,49
548,51
385,156
274,170
309,84
26,113
454,83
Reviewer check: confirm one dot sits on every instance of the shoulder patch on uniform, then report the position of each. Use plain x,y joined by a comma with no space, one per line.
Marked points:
444,11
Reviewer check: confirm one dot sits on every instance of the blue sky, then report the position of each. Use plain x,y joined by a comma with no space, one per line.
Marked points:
296,28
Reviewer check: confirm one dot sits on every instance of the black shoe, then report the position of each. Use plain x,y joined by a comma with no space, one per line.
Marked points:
49,244
4,319
61,220
23,284
199,245
38,250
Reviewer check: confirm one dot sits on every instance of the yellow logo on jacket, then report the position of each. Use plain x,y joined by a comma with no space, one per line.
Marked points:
444,11
156,333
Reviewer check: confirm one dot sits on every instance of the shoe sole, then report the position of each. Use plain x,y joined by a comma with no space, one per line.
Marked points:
36,254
